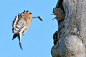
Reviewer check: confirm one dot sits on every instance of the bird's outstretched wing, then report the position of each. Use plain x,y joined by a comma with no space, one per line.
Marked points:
18,23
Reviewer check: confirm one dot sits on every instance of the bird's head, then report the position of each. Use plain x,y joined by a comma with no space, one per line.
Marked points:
28,16
56,11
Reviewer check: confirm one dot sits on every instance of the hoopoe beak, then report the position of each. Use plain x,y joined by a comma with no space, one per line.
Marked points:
34,17
53,18
52,14
37,17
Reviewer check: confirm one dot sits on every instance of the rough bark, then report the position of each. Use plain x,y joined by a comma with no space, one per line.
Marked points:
72,35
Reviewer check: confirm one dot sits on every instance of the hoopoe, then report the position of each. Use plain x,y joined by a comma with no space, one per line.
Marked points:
59,11
21,24
60,15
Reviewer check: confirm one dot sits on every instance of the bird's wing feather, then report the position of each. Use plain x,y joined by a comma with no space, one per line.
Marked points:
18,23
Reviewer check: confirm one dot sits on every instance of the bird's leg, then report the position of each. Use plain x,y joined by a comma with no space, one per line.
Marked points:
20,40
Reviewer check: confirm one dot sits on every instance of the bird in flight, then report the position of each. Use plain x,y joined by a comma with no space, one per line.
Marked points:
21,24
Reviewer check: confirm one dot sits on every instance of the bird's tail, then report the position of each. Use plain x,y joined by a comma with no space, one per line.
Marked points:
14,36
19,37
20,45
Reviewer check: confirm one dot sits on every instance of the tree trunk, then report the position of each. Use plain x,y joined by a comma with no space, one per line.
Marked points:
72,35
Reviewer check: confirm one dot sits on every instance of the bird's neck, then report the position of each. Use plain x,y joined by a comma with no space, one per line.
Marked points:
28,24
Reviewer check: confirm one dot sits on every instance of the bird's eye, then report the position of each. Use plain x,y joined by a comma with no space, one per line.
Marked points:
29,18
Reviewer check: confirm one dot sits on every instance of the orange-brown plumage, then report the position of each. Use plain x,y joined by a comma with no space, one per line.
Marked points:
27,14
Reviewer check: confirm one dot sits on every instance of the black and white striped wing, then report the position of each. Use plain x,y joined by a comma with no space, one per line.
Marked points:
18,23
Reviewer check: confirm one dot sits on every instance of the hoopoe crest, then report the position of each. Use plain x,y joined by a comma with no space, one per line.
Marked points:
21,24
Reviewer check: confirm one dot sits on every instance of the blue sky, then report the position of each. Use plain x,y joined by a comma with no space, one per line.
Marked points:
38,40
